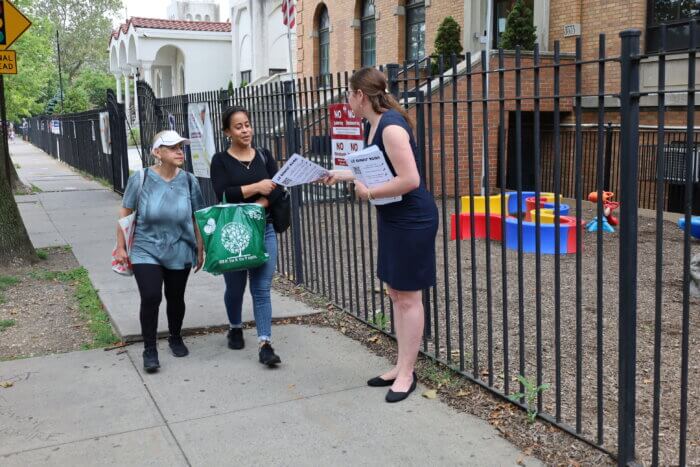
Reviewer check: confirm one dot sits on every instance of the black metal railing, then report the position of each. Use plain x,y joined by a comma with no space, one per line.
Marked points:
603,318
77,140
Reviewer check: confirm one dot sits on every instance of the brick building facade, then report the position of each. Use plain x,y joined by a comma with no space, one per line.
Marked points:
344,31
585,19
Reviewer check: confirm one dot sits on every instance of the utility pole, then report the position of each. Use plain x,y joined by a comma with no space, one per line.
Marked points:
60,74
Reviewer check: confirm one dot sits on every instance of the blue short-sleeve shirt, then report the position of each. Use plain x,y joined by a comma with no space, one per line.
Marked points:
164,229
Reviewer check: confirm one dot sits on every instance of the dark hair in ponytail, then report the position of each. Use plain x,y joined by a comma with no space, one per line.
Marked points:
229,112
373,84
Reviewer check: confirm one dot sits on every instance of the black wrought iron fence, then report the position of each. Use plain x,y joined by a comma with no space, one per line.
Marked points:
77,139
524,289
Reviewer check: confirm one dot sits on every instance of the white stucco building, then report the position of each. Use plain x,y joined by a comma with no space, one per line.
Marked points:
174,56
193,11
260,44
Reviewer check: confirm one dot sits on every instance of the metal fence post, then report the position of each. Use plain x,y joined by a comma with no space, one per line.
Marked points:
608,156
392,72
629,165
293,147
184,109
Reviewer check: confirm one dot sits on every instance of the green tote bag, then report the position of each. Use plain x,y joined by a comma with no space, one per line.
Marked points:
233,235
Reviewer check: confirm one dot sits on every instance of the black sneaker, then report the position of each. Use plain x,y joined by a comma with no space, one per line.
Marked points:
235,339
150,360
267,355
177,346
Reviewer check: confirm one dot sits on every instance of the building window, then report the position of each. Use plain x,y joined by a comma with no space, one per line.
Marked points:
676,15
198,18
501,9
415,30
245,77
188,17
368,28
276,71
324,45
207,18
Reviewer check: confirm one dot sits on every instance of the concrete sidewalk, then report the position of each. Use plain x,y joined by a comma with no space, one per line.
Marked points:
72,210
217,406
221,407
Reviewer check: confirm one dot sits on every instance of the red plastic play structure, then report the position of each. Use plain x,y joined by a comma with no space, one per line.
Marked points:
608,206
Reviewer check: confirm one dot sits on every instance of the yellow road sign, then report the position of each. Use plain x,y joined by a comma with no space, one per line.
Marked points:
12,24
8,62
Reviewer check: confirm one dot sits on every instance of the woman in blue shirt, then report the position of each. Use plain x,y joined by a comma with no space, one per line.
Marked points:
167,243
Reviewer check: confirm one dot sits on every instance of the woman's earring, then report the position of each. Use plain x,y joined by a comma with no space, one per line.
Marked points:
159,162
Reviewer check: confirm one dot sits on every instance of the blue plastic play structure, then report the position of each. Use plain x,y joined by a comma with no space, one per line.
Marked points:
694,225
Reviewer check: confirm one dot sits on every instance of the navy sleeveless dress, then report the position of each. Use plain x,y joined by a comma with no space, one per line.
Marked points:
407,228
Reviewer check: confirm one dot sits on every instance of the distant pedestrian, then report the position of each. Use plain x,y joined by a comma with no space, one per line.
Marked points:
243,174
167,242
406,229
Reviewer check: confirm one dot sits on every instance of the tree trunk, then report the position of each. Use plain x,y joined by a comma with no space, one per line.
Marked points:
14,240
15,183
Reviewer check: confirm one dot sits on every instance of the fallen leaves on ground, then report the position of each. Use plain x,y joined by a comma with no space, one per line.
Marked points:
430,394
6,384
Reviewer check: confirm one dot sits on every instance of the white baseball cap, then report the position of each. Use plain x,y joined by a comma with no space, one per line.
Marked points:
169,138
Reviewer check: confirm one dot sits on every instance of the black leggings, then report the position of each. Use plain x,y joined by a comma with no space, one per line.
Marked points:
150,279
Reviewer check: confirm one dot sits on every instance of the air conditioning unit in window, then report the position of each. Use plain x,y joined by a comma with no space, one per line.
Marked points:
674,165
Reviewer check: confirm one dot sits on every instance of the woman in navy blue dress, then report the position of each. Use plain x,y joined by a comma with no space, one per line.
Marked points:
406,229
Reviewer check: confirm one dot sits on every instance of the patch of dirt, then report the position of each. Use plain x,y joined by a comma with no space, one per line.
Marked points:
540,439
44,311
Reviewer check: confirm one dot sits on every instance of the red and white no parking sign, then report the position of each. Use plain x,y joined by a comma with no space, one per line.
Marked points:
346,133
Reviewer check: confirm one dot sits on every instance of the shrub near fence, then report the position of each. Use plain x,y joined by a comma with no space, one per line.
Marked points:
608,326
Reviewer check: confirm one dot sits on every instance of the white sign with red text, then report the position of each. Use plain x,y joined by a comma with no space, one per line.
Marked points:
346,133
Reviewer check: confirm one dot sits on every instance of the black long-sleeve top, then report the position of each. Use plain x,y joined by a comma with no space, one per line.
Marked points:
228,175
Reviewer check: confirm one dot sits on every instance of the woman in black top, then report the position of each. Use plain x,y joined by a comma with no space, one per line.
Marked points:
243,174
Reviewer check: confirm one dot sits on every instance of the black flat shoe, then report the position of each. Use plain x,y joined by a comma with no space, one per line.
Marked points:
378,382
392,396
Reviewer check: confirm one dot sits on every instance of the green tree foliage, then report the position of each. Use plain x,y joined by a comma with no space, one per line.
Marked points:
84,27
88,91
447,42
27,92
520,29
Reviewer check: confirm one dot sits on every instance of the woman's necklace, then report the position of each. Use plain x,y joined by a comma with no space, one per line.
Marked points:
245,164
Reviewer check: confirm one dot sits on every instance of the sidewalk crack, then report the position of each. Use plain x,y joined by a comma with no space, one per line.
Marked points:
160,412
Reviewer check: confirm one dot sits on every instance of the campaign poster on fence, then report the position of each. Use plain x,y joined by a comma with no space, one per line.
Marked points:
201,137
346,133
105,137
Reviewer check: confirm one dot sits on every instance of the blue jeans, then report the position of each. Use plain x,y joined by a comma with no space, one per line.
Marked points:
260,282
